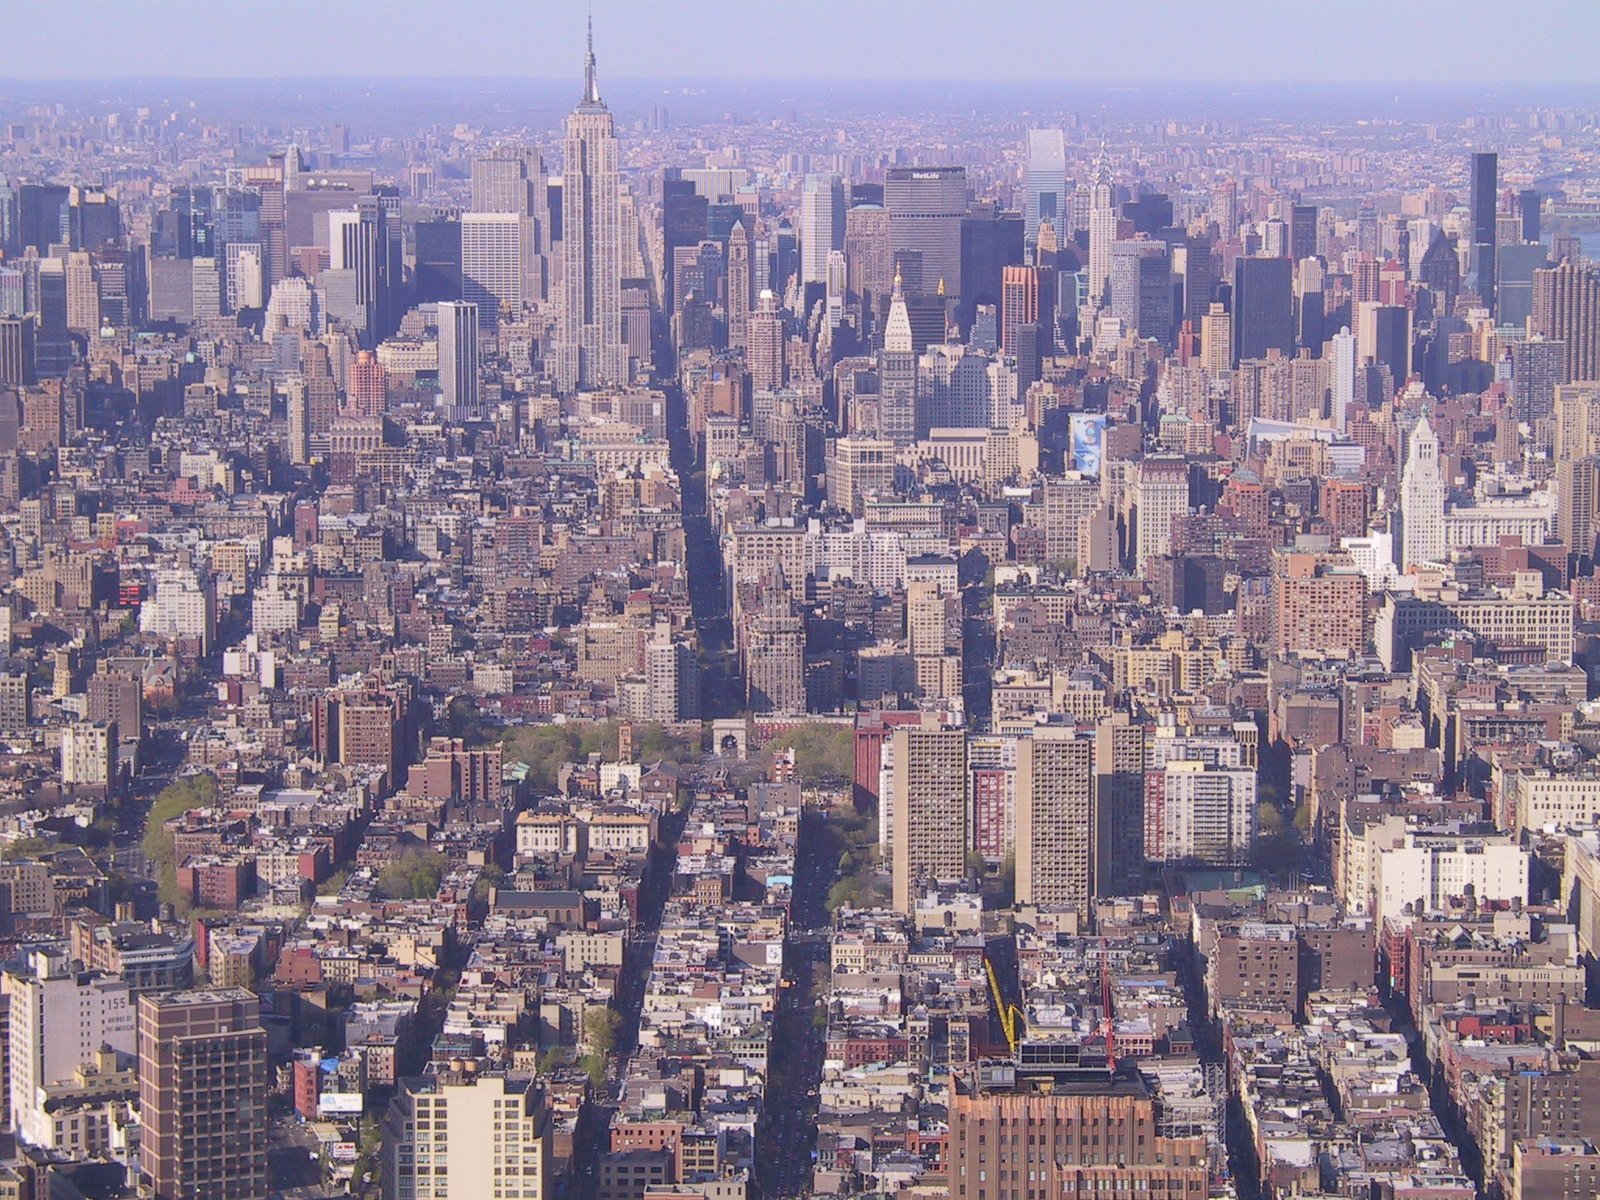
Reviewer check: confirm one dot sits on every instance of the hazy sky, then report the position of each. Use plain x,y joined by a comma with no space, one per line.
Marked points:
1227,40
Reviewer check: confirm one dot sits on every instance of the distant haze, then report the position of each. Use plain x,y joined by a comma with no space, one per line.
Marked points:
1244,41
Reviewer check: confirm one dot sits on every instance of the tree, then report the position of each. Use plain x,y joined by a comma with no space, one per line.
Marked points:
466,721
822,753
600,1028
177,798
24,847
544,749
415,875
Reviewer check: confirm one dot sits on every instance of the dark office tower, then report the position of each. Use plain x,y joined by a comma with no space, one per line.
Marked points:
1199,277
908,270
268,183
869,264
437,274
203,1077
721,218
1367,230
785,257
1141,288
191,207
10,243
94,217
1538,367
1528,208
16,351
739,287
1308,305
1149,213
236,216
43,215
1514,266
866,193
926,205
1485,185
1383,337
362,248
1440,272
555,200
1566,308
991,241
1263,307
683,222
1302,231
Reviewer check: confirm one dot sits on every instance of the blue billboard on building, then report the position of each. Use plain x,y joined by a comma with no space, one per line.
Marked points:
1088,441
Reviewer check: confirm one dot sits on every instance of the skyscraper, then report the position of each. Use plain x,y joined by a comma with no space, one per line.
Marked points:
1044,183
929,831
359,244
1263,307
511,179
1055,832
897,374
1421,500
739,286
1343,377
1120,749
481,1134
1141,288
1019,304
1538,367
821,225
870,262
1383,335
768,368
1088,1134
1102,228
1566,308
60,1015
458,358
1161,494
591,352
491,265
926,205
203,1095
1302,231
1530,210
683,222
1485,186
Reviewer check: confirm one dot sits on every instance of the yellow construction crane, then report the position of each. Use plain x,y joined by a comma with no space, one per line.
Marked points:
1010,1014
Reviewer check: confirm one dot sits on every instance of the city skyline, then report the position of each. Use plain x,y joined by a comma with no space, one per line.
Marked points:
1247,42
735,641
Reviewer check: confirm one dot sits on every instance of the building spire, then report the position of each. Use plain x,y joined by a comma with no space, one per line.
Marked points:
591,84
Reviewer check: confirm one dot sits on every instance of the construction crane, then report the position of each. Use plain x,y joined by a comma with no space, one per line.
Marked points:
1010,1014
1108,1028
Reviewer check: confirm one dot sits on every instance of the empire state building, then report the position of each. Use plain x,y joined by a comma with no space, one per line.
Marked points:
591,352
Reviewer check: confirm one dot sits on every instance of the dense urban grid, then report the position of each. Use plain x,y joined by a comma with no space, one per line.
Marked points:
1004,655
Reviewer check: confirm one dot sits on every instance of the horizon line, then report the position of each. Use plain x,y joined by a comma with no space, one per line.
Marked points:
1297,81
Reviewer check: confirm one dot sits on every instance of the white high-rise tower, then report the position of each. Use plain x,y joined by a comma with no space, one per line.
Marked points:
591,351
1102,229
1344,377
1421,500
1045,183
